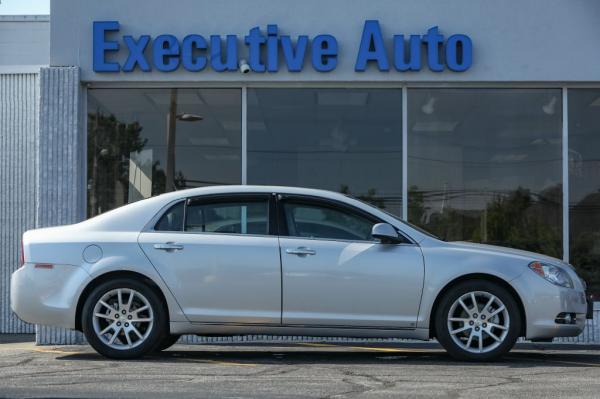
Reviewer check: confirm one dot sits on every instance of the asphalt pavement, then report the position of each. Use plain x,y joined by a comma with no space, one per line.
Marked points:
311,370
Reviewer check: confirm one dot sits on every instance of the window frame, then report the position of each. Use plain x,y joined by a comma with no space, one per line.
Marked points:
230,198
331,204
218,198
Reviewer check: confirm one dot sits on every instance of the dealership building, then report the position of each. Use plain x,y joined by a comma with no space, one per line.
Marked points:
474,120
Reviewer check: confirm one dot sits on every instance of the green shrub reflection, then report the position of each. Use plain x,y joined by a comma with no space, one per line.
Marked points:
517,219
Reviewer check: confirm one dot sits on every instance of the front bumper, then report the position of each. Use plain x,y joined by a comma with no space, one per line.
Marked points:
543,302
47,296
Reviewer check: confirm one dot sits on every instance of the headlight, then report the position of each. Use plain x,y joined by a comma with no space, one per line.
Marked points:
553,274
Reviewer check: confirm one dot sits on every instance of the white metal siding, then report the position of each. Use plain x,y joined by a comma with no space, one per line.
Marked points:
19,105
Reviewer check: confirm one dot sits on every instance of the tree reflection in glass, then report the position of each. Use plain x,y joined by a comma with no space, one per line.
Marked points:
484,165
141,142
110,144
584,185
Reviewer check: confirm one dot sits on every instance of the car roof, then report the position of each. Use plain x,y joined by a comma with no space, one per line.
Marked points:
234,189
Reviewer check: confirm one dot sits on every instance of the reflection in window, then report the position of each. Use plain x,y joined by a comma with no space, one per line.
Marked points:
345,140
144,142
315,221
584,184
231,217
172,220
484,165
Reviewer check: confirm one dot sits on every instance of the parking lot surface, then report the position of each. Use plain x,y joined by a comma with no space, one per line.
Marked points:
297,371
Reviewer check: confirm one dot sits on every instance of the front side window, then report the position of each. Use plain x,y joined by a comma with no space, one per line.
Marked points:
318,221
233,217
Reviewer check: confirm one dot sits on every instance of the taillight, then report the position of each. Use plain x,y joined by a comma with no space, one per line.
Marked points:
22,257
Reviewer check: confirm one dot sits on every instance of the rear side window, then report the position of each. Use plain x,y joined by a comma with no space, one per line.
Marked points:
233,217
172,220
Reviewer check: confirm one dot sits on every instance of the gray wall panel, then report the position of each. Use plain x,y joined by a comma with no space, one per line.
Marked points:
19,103
25,40
524,41
61,195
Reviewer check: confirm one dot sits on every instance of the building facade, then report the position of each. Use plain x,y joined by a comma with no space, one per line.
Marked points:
474,120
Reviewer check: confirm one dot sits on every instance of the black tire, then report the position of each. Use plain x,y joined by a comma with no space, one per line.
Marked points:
155,335
442,313
167,342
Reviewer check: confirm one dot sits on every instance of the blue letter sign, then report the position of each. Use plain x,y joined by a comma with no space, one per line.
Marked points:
101,46
266,49
372,48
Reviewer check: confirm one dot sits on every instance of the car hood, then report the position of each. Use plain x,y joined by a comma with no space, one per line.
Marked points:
506,251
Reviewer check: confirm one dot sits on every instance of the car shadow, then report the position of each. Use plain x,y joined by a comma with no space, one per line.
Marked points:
348,355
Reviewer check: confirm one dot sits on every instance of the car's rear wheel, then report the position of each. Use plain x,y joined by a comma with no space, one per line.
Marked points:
124,319
477,320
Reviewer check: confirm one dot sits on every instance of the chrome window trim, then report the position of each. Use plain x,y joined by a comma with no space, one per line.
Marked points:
210,233
412,244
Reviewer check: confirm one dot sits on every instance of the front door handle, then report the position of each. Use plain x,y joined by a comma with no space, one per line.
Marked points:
301,251
169,246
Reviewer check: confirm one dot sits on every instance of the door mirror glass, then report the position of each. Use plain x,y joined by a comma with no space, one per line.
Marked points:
386,233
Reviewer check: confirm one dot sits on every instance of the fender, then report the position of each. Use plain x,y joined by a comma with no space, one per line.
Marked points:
127,256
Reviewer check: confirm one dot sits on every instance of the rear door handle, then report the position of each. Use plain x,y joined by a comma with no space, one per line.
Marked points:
301,251
169,246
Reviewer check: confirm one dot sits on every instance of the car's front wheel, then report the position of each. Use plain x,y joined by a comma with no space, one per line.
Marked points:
477,320
124,319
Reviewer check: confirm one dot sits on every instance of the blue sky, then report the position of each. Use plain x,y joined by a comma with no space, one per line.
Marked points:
20,7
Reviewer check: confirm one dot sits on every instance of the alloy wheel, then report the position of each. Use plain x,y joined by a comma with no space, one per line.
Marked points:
478,322
123,318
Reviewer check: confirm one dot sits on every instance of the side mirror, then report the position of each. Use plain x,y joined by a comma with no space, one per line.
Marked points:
386,233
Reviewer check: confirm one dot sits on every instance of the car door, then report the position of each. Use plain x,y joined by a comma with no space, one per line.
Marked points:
218,257
335,274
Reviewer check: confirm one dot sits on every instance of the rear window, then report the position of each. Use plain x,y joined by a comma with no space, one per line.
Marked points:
234,217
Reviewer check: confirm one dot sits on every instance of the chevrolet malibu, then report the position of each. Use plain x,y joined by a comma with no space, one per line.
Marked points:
239,260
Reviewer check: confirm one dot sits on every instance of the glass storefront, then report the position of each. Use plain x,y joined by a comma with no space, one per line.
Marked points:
345,140
144,142
483,165
584,184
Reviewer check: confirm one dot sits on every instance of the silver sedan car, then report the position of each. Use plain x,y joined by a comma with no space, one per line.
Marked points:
236,260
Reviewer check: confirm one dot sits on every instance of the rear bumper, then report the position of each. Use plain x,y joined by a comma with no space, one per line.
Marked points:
543,302
47,296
